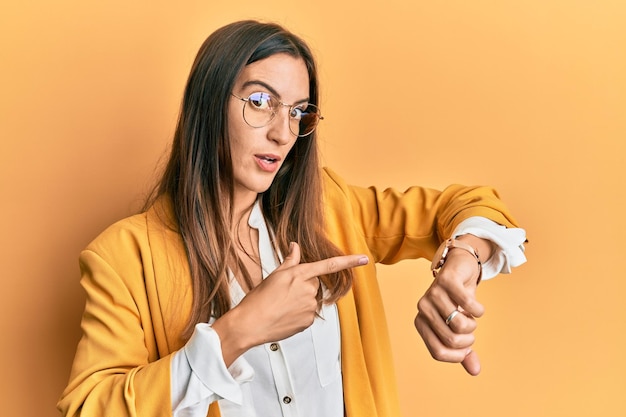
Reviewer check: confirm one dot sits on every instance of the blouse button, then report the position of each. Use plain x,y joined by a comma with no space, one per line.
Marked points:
274,348
287,399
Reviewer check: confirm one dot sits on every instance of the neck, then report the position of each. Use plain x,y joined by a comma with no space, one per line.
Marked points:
242,206
246,240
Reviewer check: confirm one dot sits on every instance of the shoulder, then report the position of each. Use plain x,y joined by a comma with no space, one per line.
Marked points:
339,194
133,236
121,241
334,187
332,180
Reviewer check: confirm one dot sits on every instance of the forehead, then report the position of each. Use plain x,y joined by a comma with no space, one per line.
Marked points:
286,75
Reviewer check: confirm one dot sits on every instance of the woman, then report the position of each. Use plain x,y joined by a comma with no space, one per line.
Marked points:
248,287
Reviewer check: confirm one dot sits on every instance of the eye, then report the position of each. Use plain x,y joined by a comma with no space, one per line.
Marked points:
260,101
297,112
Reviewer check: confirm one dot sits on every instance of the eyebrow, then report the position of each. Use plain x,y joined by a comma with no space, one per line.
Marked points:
271,90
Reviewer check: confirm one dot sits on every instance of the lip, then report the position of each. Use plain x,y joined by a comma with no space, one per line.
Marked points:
268,162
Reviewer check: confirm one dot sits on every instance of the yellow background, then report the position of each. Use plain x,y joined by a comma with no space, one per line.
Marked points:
528,96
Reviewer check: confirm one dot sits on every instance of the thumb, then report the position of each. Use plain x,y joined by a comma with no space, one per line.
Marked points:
293,257
471,363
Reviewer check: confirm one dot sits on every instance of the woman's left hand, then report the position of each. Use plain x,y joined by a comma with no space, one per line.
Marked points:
454,289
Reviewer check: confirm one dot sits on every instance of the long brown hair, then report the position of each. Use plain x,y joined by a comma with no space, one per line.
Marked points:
198,178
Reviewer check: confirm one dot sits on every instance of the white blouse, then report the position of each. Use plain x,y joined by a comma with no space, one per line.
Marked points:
299,376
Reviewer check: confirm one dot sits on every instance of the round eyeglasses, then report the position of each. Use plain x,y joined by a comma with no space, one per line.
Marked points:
259,109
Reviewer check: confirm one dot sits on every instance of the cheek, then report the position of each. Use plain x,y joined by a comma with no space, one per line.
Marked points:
237,136
236,150
235,123
293,149
231,126
291,146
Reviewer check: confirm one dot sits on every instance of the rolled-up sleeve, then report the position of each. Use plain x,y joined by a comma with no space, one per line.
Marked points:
508,241
200,376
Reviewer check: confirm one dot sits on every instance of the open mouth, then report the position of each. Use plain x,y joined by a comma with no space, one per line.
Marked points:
268,162
268,158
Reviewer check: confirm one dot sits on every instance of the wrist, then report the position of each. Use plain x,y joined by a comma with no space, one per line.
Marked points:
484,247
233,339
460,248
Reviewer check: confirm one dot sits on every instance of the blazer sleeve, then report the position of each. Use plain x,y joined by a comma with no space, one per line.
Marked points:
117,370
411,224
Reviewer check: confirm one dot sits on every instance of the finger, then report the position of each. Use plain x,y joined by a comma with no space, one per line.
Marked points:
471,306
445,332
471,363
439,307
293,257
461,296
438,350
463,322
331,265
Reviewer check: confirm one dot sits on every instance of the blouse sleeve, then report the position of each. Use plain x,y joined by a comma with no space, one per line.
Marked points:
200,376
509,244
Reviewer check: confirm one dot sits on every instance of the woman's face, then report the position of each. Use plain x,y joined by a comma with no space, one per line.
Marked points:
258,153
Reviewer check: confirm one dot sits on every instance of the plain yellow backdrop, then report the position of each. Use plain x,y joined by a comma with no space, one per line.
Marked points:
527,96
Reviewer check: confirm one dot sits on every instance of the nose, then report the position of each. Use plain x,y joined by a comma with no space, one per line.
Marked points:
279,130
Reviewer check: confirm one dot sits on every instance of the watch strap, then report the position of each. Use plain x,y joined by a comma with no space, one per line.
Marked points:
442,253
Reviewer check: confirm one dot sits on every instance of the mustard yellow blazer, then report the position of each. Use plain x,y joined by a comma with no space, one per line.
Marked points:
138,288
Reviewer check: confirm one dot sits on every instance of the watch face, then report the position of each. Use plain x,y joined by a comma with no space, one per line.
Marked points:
440,256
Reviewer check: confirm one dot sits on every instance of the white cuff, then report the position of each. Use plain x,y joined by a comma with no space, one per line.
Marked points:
200,377
509,244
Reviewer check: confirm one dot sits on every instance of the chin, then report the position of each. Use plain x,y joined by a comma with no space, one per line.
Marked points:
257,187
263,188
254,182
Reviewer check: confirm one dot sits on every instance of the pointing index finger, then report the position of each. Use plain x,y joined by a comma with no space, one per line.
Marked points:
332,265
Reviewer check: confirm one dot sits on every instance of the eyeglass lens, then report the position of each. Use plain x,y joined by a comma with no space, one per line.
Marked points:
261,108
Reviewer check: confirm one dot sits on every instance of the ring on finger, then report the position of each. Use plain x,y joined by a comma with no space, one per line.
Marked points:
451,316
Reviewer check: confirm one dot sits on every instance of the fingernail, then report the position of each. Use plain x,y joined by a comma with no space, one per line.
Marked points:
363,260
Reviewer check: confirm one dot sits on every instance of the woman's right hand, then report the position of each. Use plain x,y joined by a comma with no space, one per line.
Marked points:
282,305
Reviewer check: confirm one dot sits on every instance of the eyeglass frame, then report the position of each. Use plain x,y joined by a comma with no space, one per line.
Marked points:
274,112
